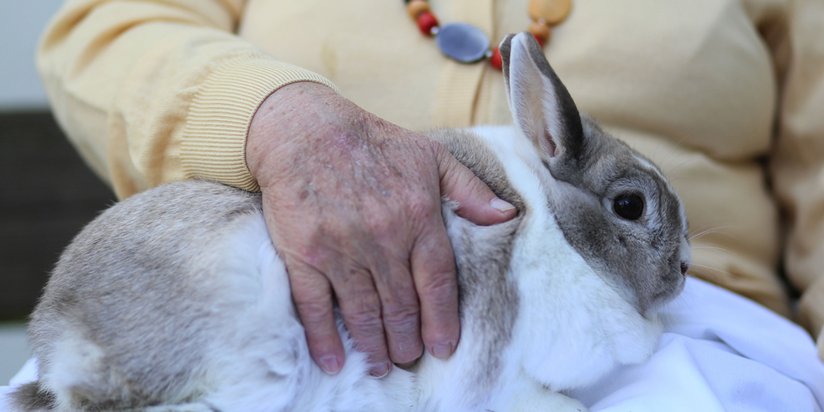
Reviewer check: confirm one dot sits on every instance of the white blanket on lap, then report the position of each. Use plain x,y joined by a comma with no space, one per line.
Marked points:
719,352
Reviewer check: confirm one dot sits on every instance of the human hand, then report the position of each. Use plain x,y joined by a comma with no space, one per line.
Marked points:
353,204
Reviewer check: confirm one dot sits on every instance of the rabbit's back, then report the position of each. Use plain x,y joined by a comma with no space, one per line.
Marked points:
178,265
177,297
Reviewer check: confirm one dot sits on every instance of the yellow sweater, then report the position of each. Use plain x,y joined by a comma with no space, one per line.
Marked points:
726,95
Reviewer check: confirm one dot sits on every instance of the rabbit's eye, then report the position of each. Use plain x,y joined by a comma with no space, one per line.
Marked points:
628,206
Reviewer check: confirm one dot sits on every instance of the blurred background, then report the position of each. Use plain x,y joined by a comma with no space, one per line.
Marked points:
46,192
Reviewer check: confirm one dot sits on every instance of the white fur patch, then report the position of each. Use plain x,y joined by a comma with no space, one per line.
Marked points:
74,358
261,362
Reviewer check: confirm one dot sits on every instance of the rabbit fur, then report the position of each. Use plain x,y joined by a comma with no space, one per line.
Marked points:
175,299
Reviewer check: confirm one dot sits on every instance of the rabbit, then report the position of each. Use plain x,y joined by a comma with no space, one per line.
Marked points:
175,299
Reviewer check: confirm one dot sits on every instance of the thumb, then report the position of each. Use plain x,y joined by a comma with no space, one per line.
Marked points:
476,202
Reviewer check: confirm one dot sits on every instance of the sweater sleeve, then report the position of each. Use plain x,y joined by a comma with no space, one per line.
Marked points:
798,160
155,91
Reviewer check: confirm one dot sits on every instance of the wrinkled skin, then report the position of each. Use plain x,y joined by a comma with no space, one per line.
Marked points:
353,204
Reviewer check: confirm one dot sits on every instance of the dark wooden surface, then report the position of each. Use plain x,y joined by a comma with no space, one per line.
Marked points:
47,194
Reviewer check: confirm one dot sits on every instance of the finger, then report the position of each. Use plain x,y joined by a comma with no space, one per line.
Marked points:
433,268
399,307
360,308
476,201
312,295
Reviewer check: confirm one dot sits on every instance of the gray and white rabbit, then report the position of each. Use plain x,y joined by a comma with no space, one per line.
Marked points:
175,299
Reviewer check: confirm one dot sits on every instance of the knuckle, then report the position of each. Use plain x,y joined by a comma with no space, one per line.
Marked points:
316,257
439,288
367,334
437,148
381,225
402,324
401,318
313,305
362,313
313,314
422,206
309,255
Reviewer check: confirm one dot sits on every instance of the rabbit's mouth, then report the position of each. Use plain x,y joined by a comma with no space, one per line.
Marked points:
669,283
664,295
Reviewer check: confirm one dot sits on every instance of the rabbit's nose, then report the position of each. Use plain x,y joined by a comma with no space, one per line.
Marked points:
684,267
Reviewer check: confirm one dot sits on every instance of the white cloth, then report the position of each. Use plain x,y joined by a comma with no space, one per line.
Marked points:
719,352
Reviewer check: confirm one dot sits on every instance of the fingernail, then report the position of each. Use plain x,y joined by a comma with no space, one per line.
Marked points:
406,365
501,205
442,350
330,364
379,371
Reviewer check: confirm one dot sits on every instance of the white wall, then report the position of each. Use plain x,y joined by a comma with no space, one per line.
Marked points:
21,23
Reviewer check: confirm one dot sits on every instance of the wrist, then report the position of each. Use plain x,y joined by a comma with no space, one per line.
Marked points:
287,114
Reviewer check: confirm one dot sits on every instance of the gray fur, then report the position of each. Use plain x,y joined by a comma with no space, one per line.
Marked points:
488,296
30,397
483,256
125,285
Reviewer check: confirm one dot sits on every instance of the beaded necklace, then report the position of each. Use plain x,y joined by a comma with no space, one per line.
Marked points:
466,43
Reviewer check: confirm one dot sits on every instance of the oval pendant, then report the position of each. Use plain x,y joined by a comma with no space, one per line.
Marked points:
462,42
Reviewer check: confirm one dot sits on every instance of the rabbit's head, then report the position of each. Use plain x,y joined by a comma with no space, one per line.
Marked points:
614,206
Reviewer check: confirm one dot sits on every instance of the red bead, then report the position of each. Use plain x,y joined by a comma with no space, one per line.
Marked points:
426,22
540,31
495,60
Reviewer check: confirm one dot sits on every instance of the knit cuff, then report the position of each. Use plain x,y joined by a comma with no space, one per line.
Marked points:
214,139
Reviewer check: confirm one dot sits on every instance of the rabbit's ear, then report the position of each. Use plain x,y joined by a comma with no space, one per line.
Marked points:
540,104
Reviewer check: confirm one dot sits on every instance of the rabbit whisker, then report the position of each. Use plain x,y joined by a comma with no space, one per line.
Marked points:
709,231
710,268
716,248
